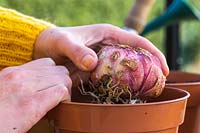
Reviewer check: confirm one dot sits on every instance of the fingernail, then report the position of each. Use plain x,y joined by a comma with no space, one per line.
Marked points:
87,62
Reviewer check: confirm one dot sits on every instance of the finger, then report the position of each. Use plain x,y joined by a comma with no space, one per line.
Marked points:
40,62
83,57
123,37
40,78
49,98
48,76
42,102
51,70
29,109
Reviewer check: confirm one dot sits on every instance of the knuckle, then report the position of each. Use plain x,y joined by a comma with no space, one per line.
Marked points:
63,69
13,75
61,92
64,77
50,60
67,92
109,26
16,79
68,81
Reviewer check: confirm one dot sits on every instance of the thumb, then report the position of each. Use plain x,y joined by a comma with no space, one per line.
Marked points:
87,59
82,56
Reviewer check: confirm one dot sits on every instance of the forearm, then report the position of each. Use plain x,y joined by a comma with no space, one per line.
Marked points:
18,34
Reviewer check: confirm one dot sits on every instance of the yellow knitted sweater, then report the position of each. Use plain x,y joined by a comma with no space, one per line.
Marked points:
18,34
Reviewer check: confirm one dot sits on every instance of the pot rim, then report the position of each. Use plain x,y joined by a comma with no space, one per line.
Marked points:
187,95
184,83
179,71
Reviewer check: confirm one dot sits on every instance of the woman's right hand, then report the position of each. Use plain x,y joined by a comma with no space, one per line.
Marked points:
29,91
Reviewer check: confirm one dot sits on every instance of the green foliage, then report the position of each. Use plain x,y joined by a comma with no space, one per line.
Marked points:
74,12
82,12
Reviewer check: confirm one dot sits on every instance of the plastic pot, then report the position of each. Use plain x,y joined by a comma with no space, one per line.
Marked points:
191,83
163,115
42,126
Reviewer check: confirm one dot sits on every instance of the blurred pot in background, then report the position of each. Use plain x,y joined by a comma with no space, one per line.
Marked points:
191,83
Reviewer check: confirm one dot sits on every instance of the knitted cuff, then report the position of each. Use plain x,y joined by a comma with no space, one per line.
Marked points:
18,34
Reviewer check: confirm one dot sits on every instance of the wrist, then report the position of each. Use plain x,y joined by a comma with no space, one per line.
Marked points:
41,41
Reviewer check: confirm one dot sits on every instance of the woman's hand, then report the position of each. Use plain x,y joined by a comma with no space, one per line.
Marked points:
78,45
29,91
75,43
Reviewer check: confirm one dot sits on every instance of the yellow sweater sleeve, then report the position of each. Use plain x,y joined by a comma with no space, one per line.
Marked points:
18,34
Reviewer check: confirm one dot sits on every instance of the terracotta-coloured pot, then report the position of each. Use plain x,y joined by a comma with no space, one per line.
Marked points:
163,115
191,83
42,126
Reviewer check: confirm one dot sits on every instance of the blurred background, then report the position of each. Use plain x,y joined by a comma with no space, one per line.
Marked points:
83,12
